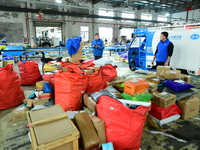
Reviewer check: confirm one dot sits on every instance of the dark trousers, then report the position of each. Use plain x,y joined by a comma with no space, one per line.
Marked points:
160,64
97,57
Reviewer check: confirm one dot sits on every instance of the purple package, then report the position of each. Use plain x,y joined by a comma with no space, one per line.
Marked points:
178,85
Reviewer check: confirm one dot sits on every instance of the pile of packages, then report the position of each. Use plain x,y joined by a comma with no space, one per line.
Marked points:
122,56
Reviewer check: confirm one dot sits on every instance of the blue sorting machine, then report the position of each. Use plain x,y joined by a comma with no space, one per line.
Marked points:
140,49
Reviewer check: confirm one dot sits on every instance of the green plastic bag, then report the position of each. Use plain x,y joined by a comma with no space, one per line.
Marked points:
143,98
120,85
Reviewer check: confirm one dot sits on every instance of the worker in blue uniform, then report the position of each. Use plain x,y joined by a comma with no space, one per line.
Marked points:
98,46
164,51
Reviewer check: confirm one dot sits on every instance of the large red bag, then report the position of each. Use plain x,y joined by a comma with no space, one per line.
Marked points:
95,82
69,88
109,72
124,126
29,72
11,93
162,113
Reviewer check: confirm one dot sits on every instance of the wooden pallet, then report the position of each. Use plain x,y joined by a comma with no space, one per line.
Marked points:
71,140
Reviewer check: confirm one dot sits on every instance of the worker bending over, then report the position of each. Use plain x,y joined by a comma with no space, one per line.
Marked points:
164,50
98,46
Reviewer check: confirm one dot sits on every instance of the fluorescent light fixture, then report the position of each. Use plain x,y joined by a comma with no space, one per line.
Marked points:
167,14
58,1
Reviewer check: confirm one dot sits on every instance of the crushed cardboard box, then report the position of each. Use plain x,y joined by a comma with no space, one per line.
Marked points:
164,99
99,126
190,107
40,102
89,138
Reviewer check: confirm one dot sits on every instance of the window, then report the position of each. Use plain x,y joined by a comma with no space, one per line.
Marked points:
52,30
106,13
106,33
126,32
162,18
85,33
127,15
146,16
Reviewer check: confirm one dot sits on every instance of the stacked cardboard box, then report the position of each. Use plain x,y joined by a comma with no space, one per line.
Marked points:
78,56
50,128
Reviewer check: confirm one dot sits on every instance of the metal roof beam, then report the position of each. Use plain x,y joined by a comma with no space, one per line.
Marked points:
5,8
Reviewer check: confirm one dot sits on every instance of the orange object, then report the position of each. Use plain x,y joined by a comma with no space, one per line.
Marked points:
135,86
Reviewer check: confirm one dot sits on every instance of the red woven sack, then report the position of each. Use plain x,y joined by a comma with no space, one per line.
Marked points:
109,72
29,72
49,78
69,88
162,113
124,126
95,82
11,93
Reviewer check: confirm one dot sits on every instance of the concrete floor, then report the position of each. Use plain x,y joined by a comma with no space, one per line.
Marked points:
14,134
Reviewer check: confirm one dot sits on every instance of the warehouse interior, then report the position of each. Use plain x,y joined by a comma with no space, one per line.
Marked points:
99,75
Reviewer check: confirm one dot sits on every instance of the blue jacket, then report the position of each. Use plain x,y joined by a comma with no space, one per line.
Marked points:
162,53
73,45
98,51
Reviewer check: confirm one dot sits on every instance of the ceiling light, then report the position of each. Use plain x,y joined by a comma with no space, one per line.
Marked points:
58,1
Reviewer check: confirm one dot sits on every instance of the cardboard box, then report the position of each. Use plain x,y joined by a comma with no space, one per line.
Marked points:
164,99
190,107
19,114
135,86
187,78
29,103
39,85
152,87
160,71
99,126
172,74
50,128
154,80
89,139
78,56
40,102
45,96
121,59
90,103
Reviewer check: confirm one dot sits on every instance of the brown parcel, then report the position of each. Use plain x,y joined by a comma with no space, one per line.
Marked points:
19,114
90,103
172,74
78,56
99,126
164,99
160,71
40,102
54,129
190,107
89,139
187,78
152,87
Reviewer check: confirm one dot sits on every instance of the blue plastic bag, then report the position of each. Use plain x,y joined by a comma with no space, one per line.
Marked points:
108,146
178,85
73,45
47,88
